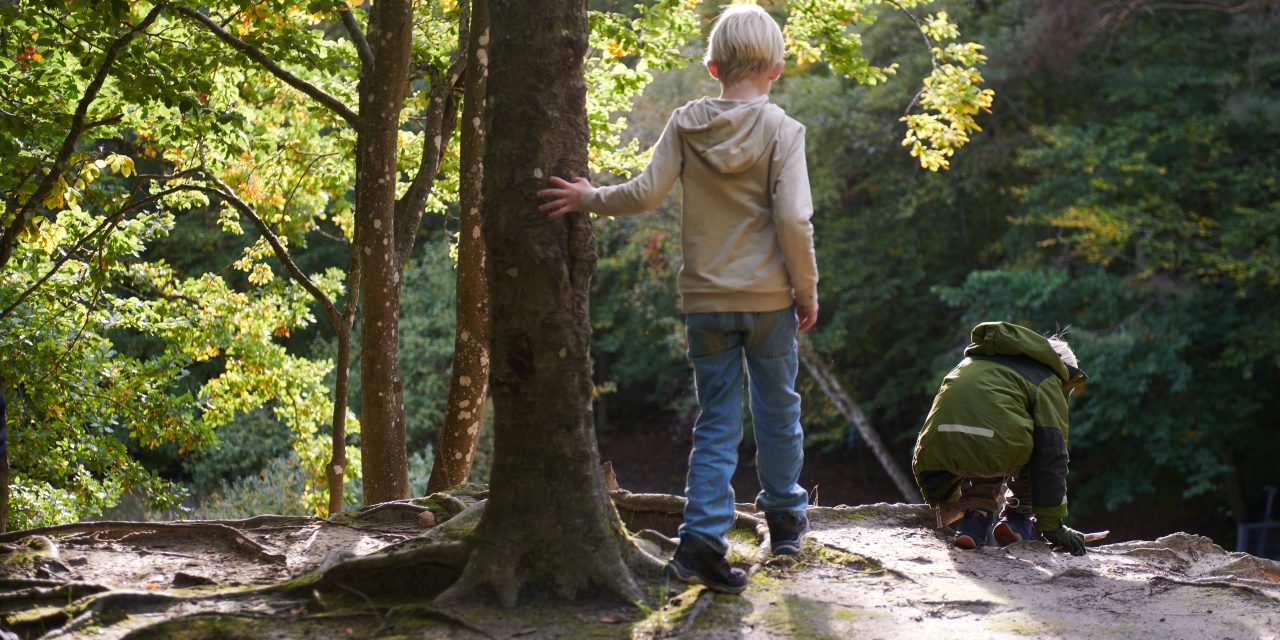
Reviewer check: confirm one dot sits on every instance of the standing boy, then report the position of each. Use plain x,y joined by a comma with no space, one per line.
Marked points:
1000,420
748,283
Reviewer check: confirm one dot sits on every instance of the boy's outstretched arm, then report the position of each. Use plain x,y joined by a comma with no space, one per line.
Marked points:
566,196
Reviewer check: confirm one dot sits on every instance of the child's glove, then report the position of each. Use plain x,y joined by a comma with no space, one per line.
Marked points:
1065,536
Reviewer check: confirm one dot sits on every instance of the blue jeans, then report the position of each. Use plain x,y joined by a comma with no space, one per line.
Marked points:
718,343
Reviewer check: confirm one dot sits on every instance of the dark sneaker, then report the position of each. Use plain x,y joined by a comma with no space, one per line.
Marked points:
971,530
786,530
696,562
1013,527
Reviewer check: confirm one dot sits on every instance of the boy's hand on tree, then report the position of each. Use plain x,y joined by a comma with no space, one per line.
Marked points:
1065,536
566,196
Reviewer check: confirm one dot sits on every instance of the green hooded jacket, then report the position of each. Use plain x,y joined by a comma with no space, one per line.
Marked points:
1000,410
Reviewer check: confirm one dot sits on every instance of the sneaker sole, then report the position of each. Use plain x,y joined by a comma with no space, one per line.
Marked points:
786,549
673,570
1005,535
966,542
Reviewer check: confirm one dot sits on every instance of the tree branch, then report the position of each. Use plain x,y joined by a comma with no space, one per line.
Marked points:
108,221
440,119
8,236
253,53
357,36
282,254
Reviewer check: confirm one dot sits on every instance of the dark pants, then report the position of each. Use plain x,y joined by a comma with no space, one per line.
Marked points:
952,494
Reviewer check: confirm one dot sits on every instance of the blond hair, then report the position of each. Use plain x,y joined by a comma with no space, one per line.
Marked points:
744,42
1064,351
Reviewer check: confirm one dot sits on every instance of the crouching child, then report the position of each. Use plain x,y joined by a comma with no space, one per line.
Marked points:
995,441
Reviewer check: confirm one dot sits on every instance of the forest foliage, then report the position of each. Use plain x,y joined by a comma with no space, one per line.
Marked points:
1123,184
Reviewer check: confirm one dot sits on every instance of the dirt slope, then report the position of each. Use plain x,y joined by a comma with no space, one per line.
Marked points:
877,571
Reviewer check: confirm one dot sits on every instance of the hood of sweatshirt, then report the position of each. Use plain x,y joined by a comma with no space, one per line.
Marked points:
1008,339
731,135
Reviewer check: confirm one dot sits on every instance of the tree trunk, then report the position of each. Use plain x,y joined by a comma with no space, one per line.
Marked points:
4,464
382,92
469,382
549,523
335,471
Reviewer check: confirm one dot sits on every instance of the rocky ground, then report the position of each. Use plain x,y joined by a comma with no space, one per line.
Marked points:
876,571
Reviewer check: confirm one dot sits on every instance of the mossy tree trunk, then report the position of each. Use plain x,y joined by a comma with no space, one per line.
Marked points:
549,523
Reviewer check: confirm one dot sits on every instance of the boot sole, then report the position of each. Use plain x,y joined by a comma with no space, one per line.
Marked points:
786,550
1005,535
673,570
966,542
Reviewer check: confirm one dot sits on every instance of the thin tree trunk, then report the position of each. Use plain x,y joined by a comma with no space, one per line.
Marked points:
549,522
469,381
335,471
853,413
382,91
4,463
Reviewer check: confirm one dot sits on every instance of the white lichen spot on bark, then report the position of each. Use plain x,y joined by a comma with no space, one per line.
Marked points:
513,272
475,232
464,404
457,455
377,224
465,381
484,38
537,173
464,415
473,429
367,250
563,353
483,57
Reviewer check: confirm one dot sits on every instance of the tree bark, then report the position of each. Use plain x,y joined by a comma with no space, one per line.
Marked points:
469,380
549,522
382,92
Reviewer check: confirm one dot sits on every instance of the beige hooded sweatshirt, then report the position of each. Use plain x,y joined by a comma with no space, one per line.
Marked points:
745,229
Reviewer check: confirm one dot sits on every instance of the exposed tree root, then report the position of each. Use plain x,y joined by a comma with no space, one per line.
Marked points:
633,506
164,629
388,510
156,529
496,567
60,593
445,616
420,571
703,601
270,521
496,572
